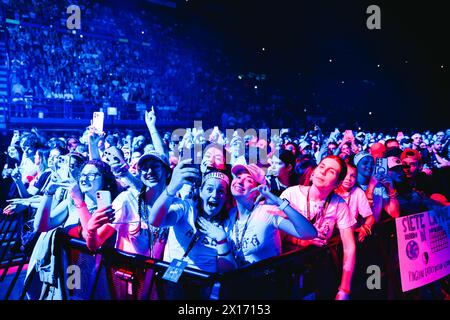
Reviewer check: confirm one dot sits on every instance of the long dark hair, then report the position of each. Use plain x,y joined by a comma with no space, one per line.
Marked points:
108,179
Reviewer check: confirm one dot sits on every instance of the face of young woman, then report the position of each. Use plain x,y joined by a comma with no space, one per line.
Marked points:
53,158
213,195
152,173
365,166
242,185
27,148
345,149
13,153
90,179
326,174
350,178
213,157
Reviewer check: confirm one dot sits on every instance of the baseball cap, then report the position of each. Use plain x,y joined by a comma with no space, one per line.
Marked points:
255,172
155,156
303,145
377,150
359,156
394,162
408,152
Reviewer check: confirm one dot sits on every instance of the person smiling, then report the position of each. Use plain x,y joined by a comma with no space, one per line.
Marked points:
319,204
131,209
254,227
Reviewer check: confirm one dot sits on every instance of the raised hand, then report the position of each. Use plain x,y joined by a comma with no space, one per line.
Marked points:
264,193
14,208
182,174
150,118
211,230
94,136
100,217
75,194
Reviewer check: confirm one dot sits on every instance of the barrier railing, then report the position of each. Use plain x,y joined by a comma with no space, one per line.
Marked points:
311,273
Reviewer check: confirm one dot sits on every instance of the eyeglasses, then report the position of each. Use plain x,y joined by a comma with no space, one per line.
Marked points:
89,176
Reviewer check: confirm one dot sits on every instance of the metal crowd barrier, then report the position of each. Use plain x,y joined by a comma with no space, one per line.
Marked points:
301,274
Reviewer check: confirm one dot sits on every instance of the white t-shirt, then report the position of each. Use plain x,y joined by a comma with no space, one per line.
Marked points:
380,197
203,254
357,202
261,239
337,211
131,238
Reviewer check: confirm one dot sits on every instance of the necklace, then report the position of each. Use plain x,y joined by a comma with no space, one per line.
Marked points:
236,231
319,214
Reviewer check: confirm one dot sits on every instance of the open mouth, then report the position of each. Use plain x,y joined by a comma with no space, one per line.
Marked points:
212,204
238,188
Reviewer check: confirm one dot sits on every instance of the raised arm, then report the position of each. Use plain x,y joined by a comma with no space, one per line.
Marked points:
296,225
93,140
49,215
150,121
159,213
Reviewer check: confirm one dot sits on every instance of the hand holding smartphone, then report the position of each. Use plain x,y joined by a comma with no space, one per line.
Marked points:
381,166
97,121
103,199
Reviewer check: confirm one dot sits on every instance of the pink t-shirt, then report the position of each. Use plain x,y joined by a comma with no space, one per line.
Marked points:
337,212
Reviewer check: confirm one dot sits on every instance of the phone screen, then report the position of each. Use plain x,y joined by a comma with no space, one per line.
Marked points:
97,121
381,166
63,167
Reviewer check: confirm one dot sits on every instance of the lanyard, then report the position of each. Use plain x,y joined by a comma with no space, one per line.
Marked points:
194,240
236,231
324,209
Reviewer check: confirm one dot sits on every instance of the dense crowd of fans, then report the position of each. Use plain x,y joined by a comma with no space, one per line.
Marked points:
167,192
217,201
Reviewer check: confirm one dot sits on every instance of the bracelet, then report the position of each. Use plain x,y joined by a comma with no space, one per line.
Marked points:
393,195
224,240
367,229
283,205
169,195
224,254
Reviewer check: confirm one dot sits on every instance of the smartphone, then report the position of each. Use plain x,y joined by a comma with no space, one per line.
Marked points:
97,121
63,167
113,156
195,181
103,199
381,166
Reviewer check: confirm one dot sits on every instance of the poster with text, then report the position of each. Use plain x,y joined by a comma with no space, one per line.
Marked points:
423,247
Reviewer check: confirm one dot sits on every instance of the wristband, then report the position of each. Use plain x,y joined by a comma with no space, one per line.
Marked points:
224,254
347,292
49,194
283,205
224,240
